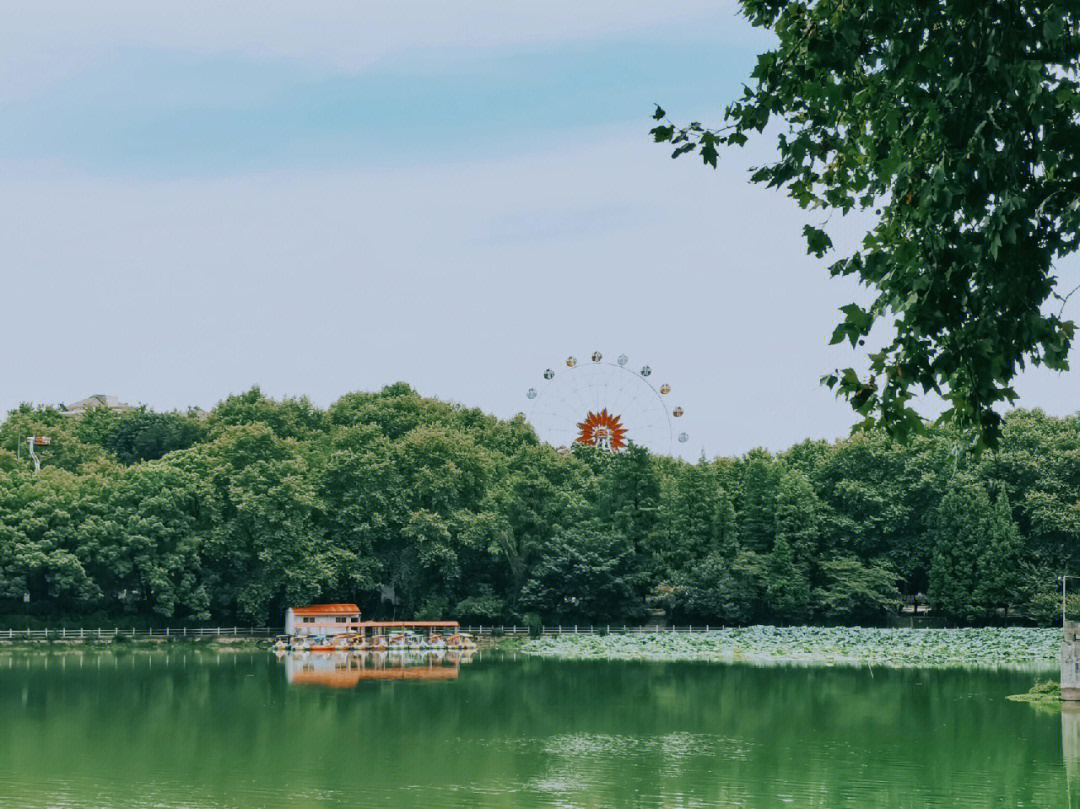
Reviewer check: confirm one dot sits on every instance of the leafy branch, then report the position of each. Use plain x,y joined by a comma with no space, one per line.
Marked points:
937,118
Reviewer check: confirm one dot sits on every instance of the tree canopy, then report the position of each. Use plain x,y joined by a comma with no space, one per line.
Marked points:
413,507
957,124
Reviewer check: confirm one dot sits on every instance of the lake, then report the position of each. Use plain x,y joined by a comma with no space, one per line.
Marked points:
201,729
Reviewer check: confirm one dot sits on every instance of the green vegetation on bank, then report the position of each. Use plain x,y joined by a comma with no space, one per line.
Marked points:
1009,646
233,515
1043,694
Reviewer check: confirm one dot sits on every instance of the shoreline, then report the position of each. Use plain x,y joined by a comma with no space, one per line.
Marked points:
238,643
61,644
1008,648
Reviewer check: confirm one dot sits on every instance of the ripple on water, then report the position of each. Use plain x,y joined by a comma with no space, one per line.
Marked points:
193,733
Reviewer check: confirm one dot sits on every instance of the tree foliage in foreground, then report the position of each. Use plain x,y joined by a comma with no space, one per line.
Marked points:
957,123
416,508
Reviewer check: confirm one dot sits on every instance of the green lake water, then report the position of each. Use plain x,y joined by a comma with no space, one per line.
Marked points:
247,729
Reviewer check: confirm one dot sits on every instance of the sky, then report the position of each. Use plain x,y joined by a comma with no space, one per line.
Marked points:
325,197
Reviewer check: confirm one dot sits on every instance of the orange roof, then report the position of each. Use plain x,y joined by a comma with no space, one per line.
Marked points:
327,609
404,624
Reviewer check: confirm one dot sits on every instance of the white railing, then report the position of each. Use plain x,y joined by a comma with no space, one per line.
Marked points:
167,632
592,629
271,631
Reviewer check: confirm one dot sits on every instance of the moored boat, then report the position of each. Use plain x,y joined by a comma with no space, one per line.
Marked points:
461,641
322,644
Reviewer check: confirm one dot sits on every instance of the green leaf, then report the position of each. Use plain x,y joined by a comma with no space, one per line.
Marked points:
662,133
709,154
817,241
1054,24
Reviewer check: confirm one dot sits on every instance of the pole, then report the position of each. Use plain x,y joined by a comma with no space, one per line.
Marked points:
33,455
1063,580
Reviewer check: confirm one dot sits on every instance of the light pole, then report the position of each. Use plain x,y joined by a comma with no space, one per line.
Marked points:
37,441
1063,579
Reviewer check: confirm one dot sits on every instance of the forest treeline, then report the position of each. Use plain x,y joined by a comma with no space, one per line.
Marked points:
417,508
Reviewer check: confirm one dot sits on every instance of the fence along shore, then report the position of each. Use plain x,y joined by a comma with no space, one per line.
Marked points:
237,631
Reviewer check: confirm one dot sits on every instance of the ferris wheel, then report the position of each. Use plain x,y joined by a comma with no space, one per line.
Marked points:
605,404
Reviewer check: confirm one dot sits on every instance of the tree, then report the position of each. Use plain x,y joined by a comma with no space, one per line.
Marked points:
728,525
67,450
265,549
757,516
787,590
975,571
956,123
853,592
159,545
443,476
722,589
694,511
798,516
998,560
587,575
141,435
289,418
40,520
540,492
360,489
953,571
629,499
470,517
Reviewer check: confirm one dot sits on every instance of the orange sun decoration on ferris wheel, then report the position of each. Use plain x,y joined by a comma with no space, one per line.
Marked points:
602,430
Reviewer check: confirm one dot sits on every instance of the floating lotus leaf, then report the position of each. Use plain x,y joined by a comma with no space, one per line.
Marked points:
1013,647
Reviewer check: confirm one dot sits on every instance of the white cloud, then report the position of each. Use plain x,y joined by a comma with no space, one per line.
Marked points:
47,39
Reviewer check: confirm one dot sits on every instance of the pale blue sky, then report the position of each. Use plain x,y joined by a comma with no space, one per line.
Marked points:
334,196
161,113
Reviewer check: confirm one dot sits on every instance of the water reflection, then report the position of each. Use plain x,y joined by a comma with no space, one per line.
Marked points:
232,730
1070,751
348,669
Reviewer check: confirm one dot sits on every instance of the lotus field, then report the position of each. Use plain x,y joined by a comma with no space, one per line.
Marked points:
1010,647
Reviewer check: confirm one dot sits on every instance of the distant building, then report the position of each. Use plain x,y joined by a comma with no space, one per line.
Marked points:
83,406
322,619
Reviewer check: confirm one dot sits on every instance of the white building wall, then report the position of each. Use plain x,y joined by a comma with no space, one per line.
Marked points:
321,625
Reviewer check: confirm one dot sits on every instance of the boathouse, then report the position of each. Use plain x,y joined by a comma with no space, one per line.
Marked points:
322,619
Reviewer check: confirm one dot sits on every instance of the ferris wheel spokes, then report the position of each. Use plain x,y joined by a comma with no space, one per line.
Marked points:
604,404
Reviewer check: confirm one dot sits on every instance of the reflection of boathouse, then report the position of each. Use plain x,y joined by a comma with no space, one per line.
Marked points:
343,670
318,620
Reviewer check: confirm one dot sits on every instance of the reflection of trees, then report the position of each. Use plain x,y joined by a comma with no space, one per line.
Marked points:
215,728
1070,750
